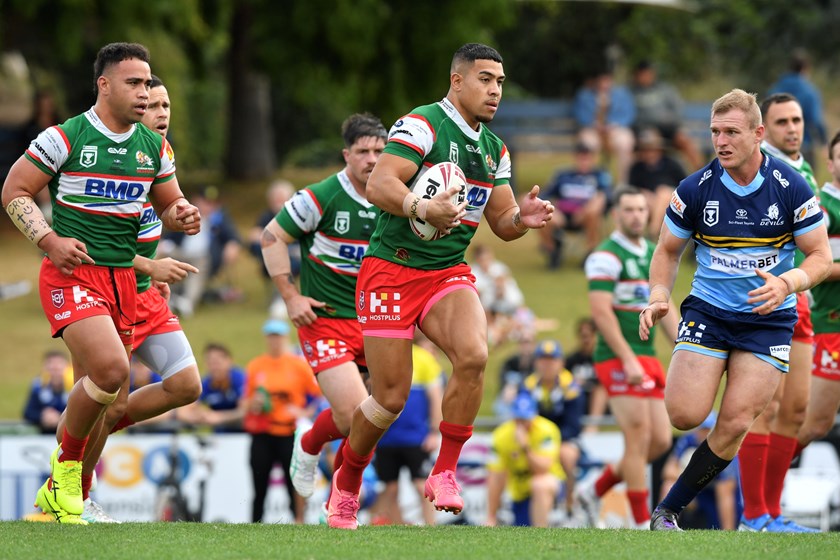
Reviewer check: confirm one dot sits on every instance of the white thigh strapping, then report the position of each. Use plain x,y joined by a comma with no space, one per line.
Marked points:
166,354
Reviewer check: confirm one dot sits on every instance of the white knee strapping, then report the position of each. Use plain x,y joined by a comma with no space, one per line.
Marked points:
377,414
97,394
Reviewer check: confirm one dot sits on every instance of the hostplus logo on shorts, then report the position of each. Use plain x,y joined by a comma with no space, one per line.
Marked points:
330,349
82,299
384,306
691,332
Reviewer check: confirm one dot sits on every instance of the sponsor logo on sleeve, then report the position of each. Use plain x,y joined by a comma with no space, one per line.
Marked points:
810,208
677,205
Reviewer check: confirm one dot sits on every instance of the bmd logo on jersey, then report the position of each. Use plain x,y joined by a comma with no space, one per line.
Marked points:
88,156
711,213
122,190
342,221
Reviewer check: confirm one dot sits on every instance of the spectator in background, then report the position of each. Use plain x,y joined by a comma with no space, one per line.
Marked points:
580,195
499,294
524,459
580,363
222,391
559,399
659,106
279,191
212,251
796,83
618,272
412,438
657,175
604,113
717,506
513,373
280,388
48,395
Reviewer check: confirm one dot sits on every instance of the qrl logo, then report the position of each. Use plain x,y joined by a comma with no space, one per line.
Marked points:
122,190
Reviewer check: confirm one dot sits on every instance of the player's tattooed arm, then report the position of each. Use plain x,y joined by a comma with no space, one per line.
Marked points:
28,218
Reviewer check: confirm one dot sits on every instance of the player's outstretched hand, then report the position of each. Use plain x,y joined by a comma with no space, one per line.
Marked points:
769,296
66,253
534,211
170,271
442,213
651,315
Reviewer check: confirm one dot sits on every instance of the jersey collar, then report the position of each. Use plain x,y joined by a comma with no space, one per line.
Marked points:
778,154
350,189
456,117
97,123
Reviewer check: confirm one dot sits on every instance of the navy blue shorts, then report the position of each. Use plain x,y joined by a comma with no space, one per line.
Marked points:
712,331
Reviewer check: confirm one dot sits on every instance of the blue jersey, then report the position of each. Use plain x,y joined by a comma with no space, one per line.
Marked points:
224,396
738,229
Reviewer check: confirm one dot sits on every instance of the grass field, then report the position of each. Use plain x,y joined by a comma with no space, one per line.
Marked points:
557,295
157,541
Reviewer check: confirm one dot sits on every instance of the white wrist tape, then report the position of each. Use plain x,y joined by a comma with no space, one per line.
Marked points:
415,206
662,291
797,280
28,218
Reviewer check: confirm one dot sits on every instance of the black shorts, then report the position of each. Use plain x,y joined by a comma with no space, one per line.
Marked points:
388,462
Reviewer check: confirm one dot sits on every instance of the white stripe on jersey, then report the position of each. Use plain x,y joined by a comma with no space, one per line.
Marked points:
331,253
415,132
304,210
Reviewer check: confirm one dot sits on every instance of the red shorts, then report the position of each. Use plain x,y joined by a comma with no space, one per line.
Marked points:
89,291
827,356
612,377
803,330
329,342
153,316
392,299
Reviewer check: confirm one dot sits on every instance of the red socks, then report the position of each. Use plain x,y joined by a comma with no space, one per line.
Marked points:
87,482
71,449
607,480
322,431
779,455
453,437
639,505
753,460
349,478
122,423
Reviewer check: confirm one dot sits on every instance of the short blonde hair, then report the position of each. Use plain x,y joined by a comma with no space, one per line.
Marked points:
742,101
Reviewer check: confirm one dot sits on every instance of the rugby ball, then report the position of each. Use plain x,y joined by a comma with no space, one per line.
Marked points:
438,178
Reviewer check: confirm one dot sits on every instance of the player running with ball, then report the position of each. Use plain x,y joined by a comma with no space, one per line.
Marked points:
405,282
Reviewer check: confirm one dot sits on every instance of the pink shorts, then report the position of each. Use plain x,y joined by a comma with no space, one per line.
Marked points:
153,316
391,299
90,290
329,342
611,375
803,330
827,356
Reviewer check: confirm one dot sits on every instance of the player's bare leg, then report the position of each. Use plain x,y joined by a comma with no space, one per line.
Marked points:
390,365
466,349
344,389
822,410
106,367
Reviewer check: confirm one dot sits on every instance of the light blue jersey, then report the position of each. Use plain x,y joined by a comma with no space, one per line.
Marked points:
738,229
